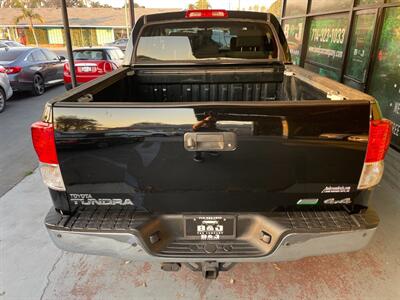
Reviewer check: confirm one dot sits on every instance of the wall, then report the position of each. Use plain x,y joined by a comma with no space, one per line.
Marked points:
54,36
352,41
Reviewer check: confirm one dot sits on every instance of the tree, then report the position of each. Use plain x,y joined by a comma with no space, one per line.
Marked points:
97,4
276,8
6,3
27,13
74,3
202,4
66,123
44,3
17,3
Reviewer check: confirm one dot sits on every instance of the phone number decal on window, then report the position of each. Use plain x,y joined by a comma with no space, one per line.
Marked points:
328,35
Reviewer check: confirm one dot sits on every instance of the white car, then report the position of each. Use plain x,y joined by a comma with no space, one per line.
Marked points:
9,43
5,89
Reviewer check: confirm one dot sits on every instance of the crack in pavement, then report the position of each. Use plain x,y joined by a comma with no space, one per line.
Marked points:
49,274
26,174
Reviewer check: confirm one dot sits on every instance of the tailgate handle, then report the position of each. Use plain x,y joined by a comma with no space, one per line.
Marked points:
210,141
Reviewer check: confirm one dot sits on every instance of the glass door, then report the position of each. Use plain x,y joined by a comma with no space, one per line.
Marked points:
385,77
359,52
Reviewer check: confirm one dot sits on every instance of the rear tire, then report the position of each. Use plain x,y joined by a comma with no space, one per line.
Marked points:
2,100
38,88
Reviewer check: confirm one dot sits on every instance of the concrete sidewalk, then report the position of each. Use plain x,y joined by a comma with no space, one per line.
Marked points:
32,268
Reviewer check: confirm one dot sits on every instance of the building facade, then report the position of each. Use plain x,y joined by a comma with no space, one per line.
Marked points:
54,36
89,26
356,42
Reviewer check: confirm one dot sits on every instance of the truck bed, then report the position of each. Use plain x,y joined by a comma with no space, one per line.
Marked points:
110,145
269,83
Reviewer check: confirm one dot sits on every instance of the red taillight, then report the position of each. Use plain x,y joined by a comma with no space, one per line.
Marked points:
13,70
380,132
44,142
2,70
66,70
206,13
107,67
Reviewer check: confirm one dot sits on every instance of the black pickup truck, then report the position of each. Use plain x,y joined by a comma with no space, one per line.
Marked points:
208,148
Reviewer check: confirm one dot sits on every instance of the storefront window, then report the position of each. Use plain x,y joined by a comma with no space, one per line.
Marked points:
120,33
76,37
4,34
360,47
326,41
41,36
323,5
385,81
82,37
295,7
55,36
103,36
324,71
293,29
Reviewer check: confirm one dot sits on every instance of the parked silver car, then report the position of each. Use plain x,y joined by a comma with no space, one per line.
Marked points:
9,43
121,44
32,69
5,88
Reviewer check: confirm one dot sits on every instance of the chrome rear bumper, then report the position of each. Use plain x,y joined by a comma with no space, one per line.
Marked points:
293,246
288,240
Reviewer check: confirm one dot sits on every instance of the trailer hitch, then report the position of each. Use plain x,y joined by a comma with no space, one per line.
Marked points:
209,269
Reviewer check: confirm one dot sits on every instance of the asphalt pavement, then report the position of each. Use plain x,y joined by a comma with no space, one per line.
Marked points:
17,157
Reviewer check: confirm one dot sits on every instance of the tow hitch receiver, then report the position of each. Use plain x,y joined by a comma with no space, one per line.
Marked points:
210,269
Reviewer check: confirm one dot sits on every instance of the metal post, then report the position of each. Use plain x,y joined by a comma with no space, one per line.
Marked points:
67,35
132,13
126,18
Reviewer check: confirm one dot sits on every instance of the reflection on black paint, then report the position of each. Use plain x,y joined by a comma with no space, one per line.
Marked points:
75,123
280,148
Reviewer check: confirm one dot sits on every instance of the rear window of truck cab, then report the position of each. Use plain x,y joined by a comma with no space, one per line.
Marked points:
205,40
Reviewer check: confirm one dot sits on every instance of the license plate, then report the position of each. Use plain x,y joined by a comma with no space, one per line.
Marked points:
85,69
210,227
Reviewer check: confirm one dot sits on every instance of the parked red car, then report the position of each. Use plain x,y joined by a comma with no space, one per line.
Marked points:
91,63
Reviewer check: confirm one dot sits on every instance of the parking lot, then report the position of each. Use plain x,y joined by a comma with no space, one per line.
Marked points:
33,268
17,158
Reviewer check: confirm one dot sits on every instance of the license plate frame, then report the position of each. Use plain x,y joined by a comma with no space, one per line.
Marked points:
85,69
194,232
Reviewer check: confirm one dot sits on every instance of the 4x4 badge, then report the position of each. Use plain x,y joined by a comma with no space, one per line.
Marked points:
337,201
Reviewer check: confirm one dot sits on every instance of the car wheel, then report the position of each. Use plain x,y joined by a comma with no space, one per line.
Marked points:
38,85
2,100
